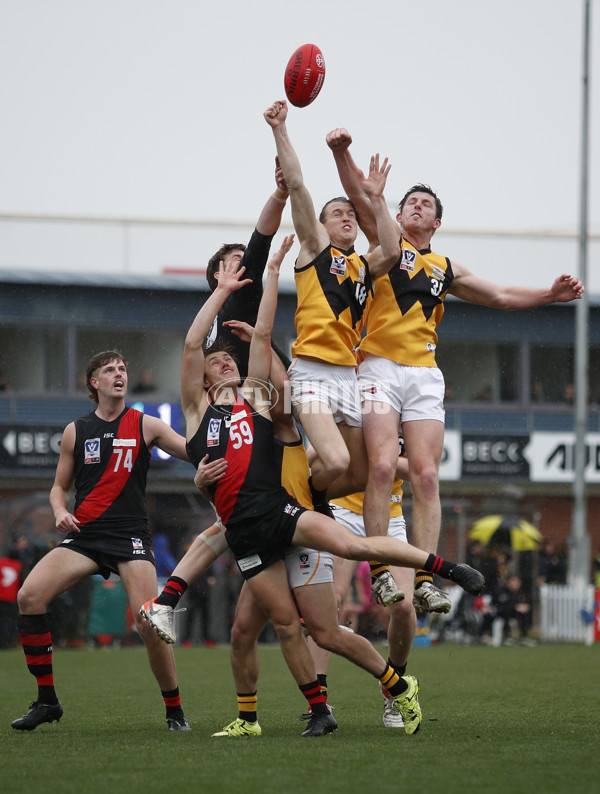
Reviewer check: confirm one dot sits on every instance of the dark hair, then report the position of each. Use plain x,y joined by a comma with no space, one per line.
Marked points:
337,200
100,360
423,189
213,262
220,346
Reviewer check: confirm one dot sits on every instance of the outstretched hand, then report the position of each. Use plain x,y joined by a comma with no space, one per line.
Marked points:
229,277
374,184
276,114
278,256
240,329
567,288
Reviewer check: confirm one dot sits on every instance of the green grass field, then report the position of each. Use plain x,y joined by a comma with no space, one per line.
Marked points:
510,719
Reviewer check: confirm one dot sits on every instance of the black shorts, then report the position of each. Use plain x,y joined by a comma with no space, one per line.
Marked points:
107,548
261,542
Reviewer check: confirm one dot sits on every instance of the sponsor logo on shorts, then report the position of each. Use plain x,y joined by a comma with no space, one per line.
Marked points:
304,560
408,260
290,509
91,451
249,562
431,347
137,546
124,442
212,435
338,266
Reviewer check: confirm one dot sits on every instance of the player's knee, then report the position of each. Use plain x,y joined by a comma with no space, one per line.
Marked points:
426,484
242,637
31,602
286,630
382,472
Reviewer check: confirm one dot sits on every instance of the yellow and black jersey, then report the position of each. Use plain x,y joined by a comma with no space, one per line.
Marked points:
407,308
291,458
333,292
355,501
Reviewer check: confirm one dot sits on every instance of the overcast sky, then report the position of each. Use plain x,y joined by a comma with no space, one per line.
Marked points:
148,108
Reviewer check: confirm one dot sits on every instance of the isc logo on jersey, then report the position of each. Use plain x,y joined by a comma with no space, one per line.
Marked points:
212,435
91,451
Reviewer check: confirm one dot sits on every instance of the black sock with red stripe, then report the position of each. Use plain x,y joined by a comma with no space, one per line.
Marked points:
316,700
173,702
172,592
438,565
37,645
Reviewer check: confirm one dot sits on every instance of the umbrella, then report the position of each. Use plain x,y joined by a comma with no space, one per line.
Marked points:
510,531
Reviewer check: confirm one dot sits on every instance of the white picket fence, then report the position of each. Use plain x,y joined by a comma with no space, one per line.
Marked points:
565,612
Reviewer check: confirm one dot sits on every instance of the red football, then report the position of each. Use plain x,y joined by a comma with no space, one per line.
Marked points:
304,75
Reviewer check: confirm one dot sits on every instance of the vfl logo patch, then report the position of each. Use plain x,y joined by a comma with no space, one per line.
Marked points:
338,266
137,545
212,435
291,510
408,260
304,560
91,451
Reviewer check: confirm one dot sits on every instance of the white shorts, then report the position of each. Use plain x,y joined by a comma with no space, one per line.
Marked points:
307,566
414,392
355,523
330,384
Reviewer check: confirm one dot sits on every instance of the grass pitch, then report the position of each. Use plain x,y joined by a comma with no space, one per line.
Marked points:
510,719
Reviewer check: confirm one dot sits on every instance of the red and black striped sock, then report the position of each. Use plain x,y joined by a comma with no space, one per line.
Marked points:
37,645
316,700
172,592
438,565
173,702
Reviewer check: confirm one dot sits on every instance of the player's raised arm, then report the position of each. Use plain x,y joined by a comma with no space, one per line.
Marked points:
352,179
259,361
386,254
311,235
229,279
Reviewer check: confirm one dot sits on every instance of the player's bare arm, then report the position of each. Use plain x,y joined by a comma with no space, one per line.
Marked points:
193,395
259,358
386,254
352,178
158,434
59,493
311,235
269,219
469,287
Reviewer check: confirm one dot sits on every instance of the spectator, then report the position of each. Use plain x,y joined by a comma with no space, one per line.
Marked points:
511,605
144,384
552,567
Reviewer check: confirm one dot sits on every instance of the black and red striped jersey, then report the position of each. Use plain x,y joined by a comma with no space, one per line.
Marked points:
111,466
252,483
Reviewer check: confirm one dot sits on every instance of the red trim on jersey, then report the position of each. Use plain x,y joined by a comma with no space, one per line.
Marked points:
111,483
238,459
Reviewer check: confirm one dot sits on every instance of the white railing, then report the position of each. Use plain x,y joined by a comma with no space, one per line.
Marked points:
567,613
